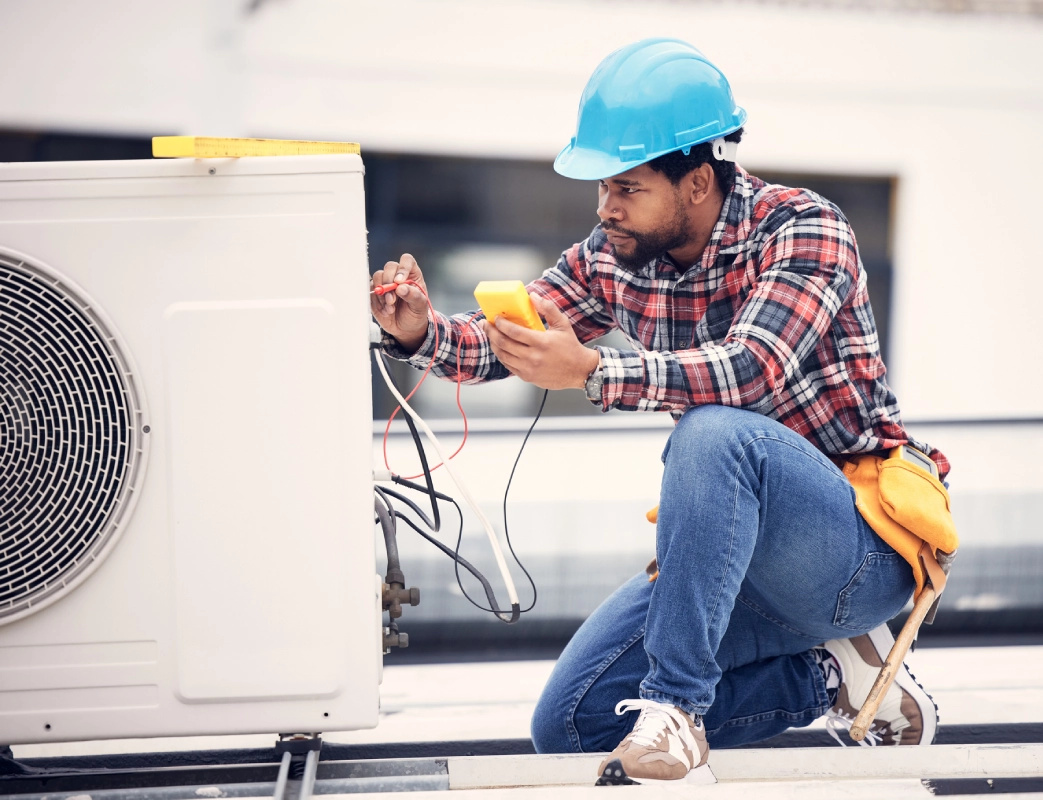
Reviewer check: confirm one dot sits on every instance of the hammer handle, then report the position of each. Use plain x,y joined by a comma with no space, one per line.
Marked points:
894,663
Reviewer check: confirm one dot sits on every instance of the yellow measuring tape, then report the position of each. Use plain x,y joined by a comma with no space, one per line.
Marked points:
215,147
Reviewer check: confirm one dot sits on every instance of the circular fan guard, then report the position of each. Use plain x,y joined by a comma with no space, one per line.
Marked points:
72,437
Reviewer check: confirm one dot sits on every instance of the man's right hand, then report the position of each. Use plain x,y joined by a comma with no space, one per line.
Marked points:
403,312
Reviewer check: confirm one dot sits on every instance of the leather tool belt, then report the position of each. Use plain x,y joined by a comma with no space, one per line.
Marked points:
908,508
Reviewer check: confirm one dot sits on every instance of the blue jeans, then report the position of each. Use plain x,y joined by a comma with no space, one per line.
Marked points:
762,556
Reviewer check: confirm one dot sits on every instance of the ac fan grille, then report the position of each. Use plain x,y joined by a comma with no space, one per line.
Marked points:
71,438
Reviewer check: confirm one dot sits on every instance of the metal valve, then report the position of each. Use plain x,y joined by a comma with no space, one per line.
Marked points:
392,638
395,595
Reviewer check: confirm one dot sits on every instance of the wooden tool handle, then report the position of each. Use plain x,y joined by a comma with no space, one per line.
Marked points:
893,664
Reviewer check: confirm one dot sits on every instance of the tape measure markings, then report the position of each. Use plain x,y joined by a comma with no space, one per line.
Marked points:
216,147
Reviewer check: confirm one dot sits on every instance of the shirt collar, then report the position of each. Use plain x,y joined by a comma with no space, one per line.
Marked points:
733,225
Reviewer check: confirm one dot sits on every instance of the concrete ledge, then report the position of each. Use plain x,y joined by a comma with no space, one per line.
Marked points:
848,763
787,790
743,766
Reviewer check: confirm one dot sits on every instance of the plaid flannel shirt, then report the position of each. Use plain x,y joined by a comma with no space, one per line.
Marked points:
774,318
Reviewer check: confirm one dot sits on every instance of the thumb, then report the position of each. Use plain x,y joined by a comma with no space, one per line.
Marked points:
550,312
413,297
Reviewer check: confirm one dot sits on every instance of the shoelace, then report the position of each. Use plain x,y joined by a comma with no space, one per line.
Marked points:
656,718
839,721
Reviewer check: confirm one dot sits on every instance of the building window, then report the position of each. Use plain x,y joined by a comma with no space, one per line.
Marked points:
468,219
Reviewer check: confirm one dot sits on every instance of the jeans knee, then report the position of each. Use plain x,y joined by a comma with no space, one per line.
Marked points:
547,728
708,429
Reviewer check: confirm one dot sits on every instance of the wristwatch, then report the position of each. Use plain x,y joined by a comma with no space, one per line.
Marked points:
595,383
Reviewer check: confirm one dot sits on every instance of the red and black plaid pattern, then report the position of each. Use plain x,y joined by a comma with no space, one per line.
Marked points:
774,318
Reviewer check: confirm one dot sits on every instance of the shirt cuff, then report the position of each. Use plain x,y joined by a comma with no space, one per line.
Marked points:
423,355
637,380
614,366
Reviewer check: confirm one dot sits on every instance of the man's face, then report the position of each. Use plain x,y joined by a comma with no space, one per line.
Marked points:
643,215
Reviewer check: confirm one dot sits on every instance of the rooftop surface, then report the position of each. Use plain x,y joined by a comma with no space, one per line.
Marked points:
457,702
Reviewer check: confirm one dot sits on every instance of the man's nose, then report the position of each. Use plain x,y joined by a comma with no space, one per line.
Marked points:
607,208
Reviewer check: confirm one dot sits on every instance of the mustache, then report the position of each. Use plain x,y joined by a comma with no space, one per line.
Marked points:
615,227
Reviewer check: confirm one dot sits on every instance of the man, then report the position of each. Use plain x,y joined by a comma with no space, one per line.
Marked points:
748,318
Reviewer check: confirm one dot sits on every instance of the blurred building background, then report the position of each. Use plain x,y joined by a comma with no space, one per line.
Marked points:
921,119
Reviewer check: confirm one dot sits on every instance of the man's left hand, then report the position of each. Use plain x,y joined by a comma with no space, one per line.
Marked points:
551,359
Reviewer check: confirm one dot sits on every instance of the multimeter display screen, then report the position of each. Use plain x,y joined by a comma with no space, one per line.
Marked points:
920,460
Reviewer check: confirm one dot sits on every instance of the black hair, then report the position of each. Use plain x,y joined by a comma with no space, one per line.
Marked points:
675,164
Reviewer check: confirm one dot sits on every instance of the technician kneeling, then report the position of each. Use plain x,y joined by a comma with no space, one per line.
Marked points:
747,311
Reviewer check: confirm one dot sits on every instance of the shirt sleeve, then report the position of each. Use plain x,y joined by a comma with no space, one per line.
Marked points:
808,267
454,345
463,347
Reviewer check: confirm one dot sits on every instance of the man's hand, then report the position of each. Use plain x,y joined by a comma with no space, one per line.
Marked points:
551,359
403,312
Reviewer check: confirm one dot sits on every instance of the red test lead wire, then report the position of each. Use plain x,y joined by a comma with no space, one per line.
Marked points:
390,287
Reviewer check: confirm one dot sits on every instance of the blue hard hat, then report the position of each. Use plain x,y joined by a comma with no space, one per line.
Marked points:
644,100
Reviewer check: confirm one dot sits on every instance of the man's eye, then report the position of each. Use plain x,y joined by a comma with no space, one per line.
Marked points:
629,189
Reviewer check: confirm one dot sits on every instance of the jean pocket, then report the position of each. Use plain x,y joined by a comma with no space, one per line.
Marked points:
876,593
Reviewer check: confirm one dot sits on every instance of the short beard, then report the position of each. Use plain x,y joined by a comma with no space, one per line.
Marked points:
672,234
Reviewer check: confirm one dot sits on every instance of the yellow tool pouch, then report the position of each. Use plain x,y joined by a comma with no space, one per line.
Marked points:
908,508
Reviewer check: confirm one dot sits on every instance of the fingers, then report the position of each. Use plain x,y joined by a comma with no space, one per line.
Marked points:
376,302
511,330
550,312
512,353
511,349
409,270
514,364
518,333
384,304
500,341
405,269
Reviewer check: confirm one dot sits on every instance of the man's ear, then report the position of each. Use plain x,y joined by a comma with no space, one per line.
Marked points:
700,183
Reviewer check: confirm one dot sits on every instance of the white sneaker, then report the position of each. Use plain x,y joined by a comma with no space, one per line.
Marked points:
665,746
907,715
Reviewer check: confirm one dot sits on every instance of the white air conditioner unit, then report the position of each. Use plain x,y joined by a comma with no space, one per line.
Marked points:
186,507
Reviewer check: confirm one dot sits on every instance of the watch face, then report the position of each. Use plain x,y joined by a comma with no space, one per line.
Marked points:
594,385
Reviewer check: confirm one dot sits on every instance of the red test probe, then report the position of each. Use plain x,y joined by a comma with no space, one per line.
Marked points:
379,291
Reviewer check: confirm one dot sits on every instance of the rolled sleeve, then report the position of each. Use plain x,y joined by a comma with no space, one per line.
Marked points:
390,346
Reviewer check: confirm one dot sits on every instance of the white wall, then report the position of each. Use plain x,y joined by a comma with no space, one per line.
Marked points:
951,105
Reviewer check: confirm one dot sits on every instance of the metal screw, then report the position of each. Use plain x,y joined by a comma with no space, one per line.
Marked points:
146,429
212,171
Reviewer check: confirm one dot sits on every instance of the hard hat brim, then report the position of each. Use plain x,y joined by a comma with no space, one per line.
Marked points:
589,164
584,164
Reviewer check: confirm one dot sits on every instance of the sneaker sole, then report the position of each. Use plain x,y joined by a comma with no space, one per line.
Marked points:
882,642
615,775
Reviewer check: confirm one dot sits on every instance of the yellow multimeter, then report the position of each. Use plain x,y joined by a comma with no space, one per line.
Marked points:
508,299
914,456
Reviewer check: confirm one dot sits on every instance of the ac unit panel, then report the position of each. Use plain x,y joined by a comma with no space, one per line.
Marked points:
239,596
